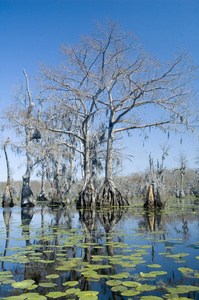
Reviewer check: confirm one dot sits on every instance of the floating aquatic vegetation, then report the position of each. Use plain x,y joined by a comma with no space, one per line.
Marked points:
118,288
47,284
56,295
151,298
121,275
23,284
133,284
27,296
87,295
71,283
182,289
154,266
130,292
114,282
146,288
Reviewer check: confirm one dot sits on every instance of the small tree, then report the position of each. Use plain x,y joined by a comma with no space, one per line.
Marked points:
183,164
22,119
7,195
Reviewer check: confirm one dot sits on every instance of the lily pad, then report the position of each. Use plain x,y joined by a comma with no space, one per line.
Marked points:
55,295
52,276
151,298
130,293
23,284
131,283
113,282
47,284
119,288
154,266
121,275
71,283
146,288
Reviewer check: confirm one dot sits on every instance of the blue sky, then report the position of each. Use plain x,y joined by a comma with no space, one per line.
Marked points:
31,32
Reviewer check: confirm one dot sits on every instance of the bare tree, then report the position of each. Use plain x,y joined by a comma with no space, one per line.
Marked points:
22,119
75,89
139,92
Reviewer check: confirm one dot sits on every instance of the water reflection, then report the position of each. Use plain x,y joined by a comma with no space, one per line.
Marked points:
68,243
6,216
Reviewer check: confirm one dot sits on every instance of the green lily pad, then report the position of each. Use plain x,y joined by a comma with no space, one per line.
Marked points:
84,295
158,273
52,276
23,284
71,283
55,295
154,266
121,275
72,291
146,288
131,283
130,293
118,288
185,270
113,282
47,284
151,298
8,281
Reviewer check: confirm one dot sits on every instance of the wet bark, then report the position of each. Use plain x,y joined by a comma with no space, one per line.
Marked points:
7,195
156,197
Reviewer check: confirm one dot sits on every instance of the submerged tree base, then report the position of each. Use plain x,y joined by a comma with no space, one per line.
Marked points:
109,195
27,198
86,196
156,197
42,196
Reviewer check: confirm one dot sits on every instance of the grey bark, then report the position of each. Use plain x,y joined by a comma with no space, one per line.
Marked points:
27,198
7,195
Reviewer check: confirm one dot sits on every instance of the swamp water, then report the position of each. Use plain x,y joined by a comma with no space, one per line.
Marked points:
63,253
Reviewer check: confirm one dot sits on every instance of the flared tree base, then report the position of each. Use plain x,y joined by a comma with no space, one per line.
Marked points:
42,196
156,198
109,195
27,198
86,197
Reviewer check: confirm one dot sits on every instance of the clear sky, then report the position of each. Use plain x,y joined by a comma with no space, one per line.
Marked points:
31,31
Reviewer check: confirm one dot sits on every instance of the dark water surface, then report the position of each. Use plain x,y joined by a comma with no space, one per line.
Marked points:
62,253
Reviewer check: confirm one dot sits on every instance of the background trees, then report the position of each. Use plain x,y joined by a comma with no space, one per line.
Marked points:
106,85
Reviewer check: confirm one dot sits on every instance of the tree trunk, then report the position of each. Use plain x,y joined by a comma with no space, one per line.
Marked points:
87,193
7,195
109,195
156,196
181,192
27,198
42,196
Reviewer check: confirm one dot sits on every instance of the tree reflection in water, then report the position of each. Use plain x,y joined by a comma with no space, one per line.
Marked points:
6,216
71,243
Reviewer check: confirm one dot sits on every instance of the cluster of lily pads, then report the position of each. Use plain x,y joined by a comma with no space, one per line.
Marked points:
120,272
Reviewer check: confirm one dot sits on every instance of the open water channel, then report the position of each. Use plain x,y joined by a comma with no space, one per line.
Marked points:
64,253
